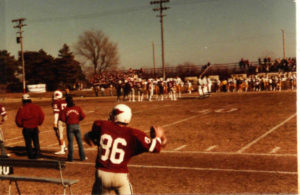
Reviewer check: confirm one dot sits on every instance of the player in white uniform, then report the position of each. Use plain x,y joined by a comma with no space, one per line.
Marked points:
150,88
58,105
200,87
204,86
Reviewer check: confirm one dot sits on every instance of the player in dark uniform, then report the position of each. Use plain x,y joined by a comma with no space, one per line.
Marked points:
118,87
117,143
126,89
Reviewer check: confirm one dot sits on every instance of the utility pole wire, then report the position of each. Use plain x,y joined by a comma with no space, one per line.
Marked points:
20,40
161,8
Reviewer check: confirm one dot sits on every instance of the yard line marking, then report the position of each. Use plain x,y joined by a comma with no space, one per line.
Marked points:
198,168
219,110
180,121
205,111
211,148
232,110
276,149
180,147
265,134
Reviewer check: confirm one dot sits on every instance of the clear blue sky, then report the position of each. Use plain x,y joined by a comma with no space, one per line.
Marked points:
197,31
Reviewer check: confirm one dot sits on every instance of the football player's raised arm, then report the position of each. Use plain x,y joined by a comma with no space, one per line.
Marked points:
148,144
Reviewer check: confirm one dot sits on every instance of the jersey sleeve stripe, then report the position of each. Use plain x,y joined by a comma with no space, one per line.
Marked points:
158,139
153,144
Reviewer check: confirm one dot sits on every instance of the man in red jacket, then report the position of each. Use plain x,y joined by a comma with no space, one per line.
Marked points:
72,115
29,117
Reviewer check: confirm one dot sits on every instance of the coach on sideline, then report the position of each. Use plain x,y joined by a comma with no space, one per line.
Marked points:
72,115
30,116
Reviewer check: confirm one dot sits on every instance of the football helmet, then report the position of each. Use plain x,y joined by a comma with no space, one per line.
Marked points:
121,113
57,95
26,96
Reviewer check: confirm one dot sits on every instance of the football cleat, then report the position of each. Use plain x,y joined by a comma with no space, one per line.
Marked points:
60,152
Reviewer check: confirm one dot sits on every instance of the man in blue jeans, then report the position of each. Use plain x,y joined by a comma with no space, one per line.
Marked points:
72,115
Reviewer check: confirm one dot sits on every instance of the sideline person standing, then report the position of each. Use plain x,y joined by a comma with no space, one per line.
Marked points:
30,116
72,115
4,118
117,143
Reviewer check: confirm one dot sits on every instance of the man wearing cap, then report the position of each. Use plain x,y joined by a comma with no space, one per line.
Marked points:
29,117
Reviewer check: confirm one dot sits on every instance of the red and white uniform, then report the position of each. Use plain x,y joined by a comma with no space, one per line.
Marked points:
117,144
58,105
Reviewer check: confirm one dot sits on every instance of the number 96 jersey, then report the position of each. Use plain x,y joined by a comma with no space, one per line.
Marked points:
117,144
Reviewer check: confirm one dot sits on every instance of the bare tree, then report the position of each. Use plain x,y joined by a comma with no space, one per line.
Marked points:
98,50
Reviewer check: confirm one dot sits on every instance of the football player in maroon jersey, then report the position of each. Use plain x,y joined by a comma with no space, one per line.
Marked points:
58,105
117,143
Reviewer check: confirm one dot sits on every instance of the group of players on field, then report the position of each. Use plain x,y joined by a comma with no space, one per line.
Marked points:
133,88
264,82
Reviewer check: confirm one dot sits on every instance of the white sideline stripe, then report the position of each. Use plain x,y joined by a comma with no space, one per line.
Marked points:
215,169
211,148
276,149
198,168
180,147
200,152
229,153
265,134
